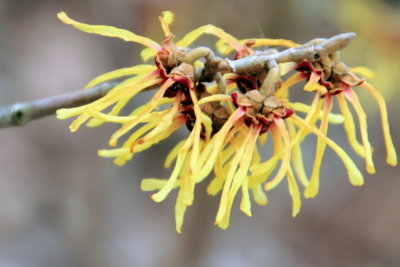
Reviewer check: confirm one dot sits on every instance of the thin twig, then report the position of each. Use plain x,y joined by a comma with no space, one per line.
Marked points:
21,113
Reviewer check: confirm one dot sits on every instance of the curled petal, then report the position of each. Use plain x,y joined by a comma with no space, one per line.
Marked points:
109,31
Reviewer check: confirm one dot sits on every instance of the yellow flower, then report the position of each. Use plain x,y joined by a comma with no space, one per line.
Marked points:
175,82
228,120
332,78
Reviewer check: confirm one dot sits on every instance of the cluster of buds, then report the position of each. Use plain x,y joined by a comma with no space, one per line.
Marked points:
230,106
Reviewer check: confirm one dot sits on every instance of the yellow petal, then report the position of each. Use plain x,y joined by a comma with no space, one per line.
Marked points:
224,211
162,194
332,118
180,210
313,84
313,184
354,173
292,80
109,31
362,118
230,175
162,125
209,29
297,157
147,53
138,69
166,18
112,153
260,197
95,122
173,154
245,204
215,98
286,157
152,104
366,72
212,149
391,158
194,163
349,126
152,184
294,193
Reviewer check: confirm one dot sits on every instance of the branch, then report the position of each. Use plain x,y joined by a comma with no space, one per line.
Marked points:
310,51
21,113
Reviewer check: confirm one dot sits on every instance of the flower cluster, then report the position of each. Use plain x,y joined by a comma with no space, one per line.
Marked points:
230,107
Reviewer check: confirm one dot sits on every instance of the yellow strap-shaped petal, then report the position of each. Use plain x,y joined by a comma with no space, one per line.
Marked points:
166,18
391,158
153,184
209,29
297,156
173,154
355,176
180,210
230,175
260,197
294,193
362,118
366,72
292,80
281,130
109,31
162,194
332,117
138,69
349,126
312,188
151,106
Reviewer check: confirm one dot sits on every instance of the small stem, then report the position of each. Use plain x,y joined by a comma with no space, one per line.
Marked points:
197,53
219,79
273,77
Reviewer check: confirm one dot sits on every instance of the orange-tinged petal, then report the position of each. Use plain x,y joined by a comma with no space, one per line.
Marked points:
313,83
362,118
391,158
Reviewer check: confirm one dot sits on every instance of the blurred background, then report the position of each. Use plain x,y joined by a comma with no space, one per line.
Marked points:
62,205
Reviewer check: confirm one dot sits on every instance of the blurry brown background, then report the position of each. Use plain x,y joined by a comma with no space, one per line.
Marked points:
62,205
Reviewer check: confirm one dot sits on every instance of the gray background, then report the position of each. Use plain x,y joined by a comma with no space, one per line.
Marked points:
62,205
